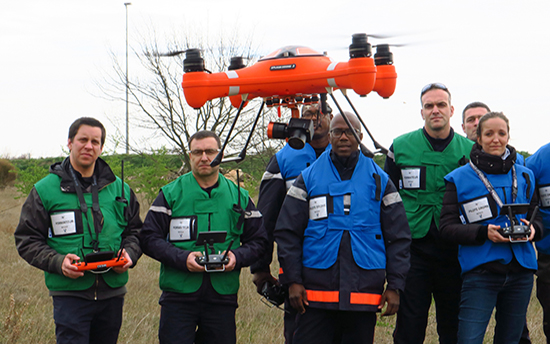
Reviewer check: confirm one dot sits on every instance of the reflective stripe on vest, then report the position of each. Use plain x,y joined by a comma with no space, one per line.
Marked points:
323,296
364,299
334,296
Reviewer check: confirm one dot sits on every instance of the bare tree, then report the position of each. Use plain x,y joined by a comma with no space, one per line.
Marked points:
156,91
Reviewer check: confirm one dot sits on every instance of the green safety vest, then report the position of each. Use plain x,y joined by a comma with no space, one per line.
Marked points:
63,205
188,200
423,201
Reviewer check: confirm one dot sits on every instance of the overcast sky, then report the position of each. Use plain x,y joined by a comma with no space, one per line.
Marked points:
497,52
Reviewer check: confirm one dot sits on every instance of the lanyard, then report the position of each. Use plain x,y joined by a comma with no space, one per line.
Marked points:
84,207
490,187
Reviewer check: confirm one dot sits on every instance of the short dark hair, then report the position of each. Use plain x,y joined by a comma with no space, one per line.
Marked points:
199,135
488,116
474,105
434,86
92,122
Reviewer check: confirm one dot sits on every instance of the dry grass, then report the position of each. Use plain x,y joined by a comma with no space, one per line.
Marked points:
10,209
26,309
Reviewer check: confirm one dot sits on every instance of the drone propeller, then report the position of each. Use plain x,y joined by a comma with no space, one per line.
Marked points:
194,55
392,45
370,35
172,53
380,36
175,52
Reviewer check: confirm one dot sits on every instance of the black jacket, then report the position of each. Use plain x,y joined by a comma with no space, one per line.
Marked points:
345,275
32,231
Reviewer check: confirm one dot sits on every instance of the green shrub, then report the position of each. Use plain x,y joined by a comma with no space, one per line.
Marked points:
29,173
7,173
146,173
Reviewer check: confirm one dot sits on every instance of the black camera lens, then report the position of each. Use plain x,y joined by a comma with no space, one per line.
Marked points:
277,130
273,293
297,138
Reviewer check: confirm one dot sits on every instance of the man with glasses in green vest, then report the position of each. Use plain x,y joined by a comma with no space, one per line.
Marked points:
198,304
78,212
417,163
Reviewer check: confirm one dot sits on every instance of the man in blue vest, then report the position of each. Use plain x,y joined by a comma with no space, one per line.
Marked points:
74,212
342,234
417,162
281,171
198,306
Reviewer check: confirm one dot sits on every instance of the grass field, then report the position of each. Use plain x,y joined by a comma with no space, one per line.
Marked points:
26,314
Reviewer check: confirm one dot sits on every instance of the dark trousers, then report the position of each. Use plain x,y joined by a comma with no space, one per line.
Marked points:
197,322
543,291
321,326
289,321
429,277
80,321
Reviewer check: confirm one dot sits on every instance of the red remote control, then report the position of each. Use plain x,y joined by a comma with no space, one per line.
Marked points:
102,265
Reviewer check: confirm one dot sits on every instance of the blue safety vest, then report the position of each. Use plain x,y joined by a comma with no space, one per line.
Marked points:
293,161
478,206
336,206
520,159
539,163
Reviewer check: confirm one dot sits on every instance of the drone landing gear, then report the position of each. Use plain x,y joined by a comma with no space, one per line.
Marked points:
295,113
218,159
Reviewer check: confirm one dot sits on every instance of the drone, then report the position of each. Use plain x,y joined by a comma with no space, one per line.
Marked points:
289,77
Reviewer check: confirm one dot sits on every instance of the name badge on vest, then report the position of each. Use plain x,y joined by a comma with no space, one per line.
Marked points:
63,223
318,208
544,193
477,210
181,229
412,178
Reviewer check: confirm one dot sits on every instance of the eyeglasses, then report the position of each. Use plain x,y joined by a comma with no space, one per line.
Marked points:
432,86
338,132
310,115
200,152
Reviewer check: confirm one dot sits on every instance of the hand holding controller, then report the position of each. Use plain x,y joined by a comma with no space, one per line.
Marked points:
515,232
100,261
102,265
213,261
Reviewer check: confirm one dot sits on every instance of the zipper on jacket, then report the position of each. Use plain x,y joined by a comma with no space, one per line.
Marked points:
96,286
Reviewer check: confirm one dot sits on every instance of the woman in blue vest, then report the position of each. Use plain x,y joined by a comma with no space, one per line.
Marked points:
496,271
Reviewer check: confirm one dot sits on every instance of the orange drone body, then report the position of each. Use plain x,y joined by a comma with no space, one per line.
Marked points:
289,71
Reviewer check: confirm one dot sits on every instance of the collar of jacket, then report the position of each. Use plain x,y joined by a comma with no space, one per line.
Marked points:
102,171
492,164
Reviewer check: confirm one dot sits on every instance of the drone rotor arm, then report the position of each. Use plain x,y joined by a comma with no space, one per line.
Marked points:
366,152
377,145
